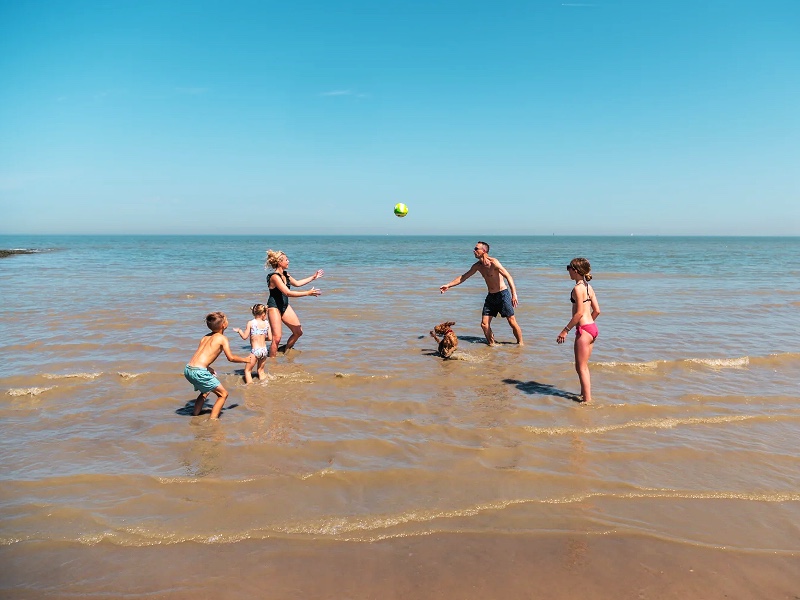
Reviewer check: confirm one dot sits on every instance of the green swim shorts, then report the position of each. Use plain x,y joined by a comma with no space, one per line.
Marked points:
201,379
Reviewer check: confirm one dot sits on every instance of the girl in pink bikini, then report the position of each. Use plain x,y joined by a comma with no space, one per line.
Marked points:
585,309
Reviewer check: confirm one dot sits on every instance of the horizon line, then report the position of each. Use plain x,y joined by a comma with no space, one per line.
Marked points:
448,235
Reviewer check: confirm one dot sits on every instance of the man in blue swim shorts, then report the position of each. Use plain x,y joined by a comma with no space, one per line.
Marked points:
498,302
501,298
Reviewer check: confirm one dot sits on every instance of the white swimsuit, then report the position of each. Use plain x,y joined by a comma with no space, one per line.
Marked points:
259,352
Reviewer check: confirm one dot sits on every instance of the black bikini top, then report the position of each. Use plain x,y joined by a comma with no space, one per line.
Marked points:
588,299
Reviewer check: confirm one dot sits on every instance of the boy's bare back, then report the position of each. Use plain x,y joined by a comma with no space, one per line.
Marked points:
209,349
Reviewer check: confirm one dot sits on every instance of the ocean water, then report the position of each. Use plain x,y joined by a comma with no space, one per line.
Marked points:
362,433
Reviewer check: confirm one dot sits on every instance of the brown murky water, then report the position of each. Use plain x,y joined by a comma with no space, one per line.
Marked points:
366,466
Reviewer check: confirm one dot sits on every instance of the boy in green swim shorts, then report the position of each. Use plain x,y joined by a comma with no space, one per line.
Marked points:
199,372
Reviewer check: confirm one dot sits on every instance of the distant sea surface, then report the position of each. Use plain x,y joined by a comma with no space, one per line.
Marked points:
362,434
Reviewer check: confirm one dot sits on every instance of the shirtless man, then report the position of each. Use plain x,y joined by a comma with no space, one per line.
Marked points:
498,300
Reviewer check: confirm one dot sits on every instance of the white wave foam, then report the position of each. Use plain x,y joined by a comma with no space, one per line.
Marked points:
467,357
291,377
10,541
127,376
72,375
320,473
34,391
338,526
667,423
346,375
680,495
712,363
633,366
369,528
721,363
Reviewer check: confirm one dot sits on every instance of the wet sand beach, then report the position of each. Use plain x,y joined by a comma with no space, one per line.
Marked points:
465,566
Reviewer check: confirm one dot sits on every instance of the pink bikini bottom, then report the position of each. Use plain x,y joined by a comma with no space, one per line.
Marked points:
591,329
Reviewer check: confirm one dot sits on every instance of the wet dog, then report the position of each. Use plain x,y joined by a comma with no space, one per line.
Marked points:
449,341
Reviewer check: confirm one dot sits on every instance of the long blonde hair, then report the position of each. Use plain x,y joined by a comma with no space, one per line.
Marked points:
273,258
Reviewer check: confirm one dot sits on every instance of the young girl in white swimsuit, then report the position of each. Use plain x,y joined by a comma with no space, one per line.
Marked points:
259,333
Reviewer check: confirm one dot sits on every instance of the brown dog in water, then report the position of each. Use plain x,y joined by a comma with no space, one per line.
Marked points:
449,341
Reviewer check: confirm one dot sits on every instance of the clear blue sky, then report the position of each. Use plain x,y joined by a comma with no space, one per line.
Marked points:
523,117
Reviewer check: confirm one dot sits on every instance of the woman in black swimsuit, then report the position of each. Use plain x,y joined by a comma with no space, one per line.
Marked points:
278,309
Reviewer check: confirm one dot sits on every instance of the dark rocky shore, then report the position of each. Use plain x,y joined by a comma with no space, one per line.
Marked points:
7,253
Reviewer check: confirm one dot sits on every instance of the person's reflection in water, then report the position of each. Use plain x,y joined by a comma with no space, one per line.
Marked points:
578,544
204,458
492,406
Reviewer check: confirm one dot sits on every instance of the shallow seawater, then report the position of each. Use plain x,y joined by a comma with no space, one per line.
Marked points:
363,433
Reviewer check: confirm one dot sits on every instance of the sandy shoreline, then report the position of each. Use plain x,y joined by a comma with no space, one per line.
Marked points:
444,566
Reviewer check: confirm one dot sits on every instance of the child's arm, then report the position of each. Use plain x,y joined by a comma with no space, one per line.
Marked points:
579,293
226,348
595,306
246,333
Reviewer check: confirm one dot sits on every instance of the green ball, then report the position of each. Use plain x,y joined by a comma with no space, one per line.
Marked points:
400,209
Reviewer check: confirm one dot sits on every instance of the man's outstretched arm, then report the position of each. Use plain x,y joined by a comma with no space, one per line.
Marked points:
460,279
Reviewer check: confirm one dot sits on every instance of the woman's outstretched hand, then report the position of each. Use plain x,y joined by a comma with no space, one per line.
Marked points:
318,274
314,291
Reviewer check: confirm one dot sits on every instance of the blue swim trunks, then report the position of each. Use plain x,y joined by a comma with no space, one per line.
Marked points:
498,302
201,379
